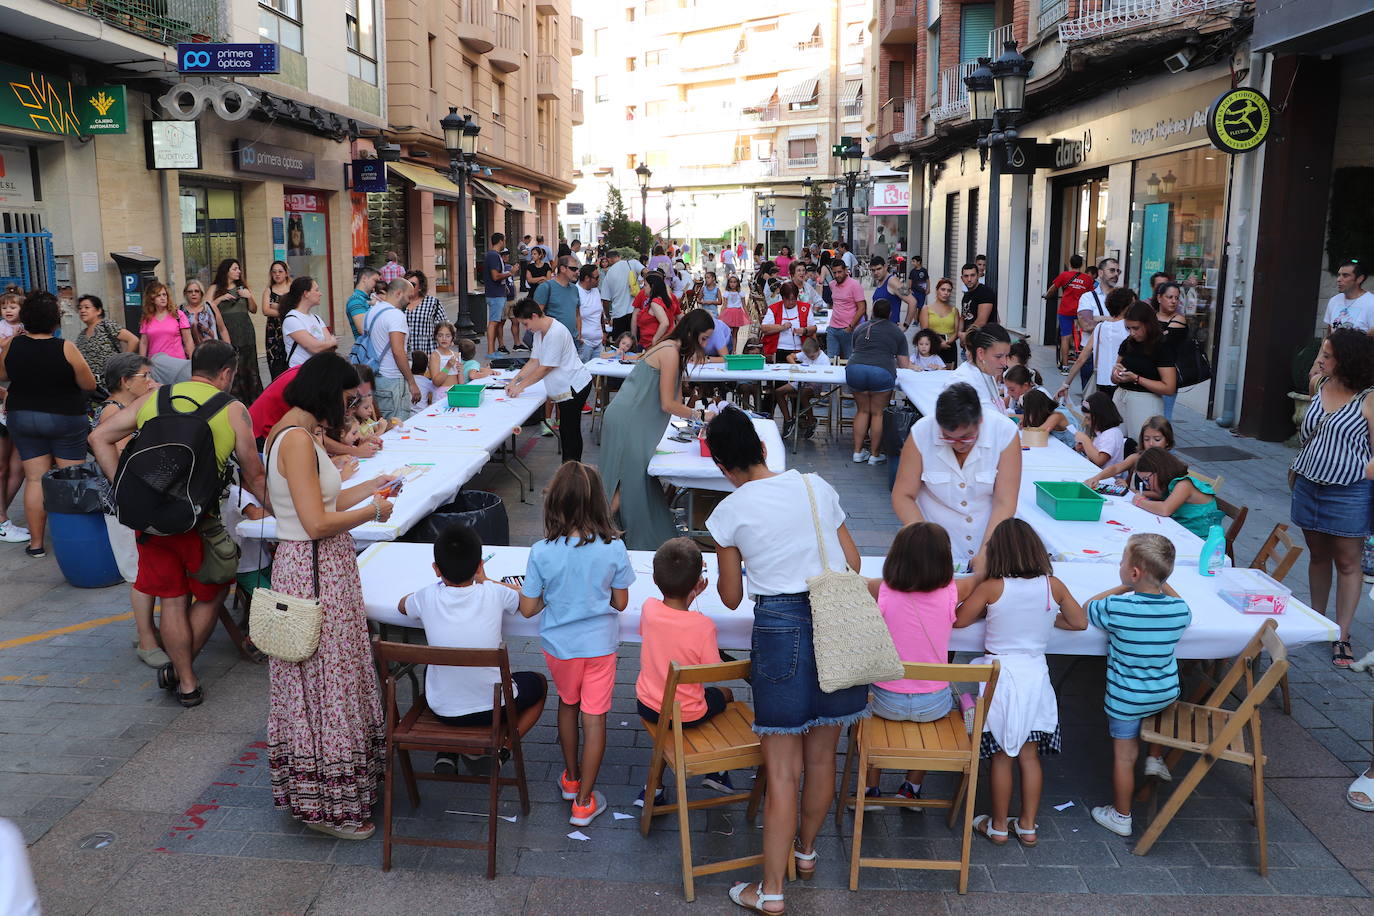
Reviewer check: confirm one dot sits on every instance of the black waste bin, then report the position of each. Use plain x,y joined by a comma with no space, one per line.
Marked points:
484,512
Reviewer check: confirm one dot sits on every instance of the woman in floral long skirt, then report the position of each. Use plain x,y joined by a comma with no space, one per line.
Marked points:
325,732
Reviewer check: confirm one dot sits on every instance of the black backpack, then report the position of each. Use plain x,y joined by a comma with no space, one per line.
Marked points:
168,476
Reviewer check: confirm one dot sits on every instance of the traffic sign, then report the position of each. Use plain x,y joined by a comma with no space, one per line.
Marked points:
770,222
229,59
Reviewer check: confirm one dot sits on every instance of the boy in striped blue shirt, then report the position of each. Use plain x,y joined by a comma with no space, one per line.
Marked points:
1144,619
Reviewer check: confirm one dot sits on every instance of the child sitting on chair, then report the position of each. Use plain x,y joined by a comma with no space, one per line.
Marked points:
465,609
673,632
1144,619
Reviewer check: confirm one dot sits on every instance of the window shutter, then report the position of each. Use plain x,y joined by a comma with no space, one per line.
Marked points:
976,20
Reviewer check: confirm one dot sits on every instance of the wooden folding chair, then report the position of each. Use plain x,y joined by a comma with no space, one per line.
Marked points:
1237,515
726,742
1215,482
1215,733
942,746
419,730
1284,560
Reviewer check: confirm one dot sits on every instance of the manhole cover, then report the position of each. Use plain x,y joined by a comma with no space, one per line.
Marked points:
1217,453
96,840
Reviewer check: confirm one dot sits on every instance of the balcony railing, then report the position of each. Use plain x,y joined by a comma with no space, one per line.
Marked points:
1051,12
167,22
802,162
953,92
506,54
908,130
474,25
546,77
1107,17
766,113
577,107
997,39
575,38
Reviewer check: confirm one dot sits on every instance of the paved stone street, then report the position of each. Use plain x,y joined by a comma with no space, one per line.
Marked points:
89,744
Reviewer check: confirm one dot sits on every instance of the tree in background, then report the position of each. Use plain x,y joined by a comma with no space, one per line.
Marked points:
817,215
619,229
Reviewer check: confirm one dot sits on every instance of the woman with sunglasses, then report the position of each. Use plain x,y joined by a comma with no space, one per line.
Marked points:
960,468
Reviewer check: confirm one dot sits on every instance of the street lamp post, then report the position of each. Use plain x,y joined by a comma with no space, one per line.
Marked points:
851,158
997,94
668,206
643,174
460,141
767,207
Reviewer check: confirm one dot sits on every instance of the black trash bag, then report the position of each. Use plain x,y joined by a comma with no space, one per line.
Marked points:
78,490
897,422
485,512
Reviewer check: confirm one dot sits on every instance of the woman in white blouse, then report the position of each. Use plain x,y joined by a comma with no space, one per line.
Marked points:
960,468
988,349
304,333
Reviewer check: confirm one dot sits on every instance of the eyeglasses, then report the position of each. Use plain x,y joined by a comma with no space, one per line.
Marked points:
140,375
959,440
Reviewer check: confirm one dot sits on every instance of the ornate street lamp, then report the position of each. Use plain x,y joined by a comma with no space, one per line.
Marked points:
643,174
460,141
668,206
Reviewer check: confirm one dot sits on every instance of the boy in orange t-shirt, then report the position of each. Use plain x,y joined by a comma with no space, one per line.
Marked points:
672,632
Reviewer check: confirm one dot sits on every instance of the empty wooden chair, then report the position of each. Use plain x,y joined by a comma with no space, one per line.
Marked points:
940,746
1214,733
726,742
419,730
1237,515
1279,549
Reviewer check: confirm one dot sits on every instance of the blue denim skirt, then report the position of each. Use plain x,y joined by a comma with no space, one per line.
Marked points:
788,699
1342,510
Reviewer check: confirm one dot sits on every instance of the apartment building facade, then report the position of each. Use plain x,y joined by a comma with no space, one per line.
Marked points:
1118,99
730,105
257,180
508,64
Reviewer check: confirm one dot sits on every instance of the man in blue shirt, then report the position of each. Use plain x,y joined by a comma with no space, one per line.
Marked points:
494,274
559,298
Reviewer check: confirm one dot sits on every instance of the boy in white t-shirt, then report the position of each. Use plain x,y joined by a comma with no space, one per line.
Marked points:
466,610
809,355
255,562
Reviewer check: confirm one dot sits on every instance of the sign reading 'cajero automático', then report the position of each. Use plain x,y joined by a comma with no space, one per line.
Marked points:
1238,120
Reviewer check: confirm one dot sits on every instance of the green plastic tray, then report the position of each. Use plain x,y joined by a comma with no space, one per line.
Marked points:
744,361
465,395
1068,501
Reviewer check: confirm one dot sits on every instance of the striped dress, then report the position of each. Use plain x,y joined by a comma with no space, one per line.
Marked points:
1142,631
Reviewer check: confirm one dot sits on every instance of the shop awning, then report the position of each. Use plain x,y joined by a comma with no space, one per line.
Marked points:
424,179
805,91
803,132
703,50
515,198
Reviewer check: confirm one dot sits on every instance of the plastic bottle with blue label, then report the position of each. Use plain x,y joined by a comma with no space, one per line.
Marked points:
1213,556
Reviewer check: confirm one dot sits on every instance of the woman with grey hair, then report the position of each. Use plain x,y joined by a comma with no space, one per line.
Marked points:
960,468
128,377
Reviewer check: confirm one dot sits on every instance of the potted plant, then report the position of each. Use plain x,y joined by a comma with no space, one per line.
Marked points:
1302,364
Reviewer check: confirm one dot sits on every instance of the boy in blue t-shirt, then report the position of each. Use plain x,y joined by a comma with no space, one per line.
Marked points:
1144,619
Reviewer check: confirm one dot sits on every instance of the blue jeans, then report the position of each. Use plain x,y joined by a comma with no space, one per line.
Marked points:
1124,729
839,342
788,699
1169,401
910,707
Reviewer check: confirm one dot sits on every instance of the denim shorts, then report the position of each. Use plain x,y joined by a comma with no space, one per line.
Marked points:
37,434
1124,729
1341,510
869,378
788,699
1066,323
496,308
839,342
910,707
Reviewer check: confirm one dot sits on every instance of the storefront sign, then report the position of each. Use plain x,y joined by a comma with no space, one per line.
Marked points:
278,238
234,59
359,225
1065,154
1154,249
262,159
369,175
1019,157
1238,121
16,176
890,198
173,144
39,102
577,209
304,202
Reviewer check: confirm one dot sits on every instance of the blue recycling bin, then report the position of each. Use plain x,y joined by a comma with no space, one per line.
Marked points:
76,522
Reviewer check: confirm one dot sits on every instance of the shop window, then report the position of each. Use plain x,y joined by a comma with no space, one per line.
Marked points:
307,236
386,224
279,21
360,23
211,229
443,244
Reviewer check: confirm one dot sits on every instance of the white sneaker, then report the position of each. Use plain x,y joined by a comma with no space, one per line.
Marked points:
1154,766
10,533
877,459
1107,816
861,457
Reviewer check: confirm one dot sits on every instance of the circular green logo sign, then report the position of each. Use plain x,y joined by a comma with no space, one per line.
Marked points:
1238,121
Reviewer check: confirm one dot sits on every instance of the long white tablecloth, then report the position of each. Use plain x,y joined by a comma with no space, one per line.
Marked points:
391,571
780,373
682,464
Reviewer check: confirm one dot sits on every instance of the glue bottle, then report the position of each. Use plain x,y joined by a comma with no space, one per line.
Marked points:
1213,556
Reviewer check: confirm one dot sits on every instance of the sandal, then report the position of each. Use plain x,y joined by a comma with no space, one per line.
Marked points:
737,895
167,677
194,698
1027,837
1341,656
982,824
808,871
1364,784
343,833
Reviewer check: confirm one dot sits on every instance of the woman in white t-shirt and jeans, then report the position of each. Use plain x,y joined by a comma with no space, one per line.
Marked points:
766,525
304,333
555,360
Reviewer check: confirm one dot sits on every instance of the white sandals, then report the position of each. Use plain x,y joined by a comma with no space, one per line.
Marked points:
983,824
805,871
737,895
1363,784
1022,833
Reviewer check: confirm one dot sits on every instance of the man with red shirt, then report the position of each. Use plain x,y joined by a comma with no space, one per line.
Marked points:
1074,283
271,406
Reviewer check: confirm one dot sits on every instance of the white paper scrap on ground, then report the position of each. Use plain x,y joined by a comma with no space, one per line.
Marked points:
578,835
507,817
1064,807
623,817
469,813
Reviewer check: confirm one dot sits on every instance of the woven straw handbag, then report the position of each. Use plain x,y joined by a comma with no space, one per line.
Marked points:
852,642
284,626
